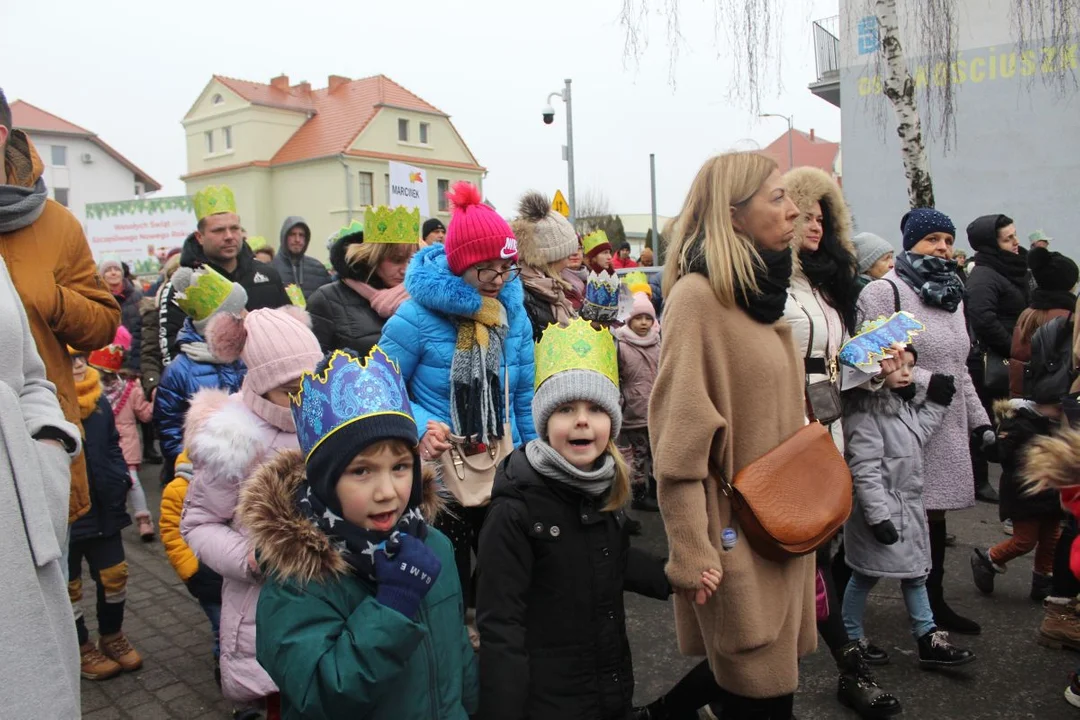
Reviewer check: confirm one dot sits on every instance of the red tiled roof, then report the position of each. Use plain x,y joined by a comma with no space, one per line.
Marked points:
31,118
819,153
336,116
225,169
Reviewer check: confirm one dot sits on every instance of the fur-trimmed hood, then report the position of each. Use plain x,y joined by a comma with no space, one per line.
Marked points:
884,402
430,283
807,185
1054,461
1009,408
224,438
288,545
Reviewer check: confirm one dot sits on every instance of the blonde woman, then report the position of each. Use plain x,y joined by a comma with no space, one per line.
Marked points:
729,390
351,312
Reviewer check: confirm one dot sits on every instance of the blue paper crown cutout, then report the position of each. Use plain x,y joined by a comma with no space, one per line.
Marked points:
870,346
347,390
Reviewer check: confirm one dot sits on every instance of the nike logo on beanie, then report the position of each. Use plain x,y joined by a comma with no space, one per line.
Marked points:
509,250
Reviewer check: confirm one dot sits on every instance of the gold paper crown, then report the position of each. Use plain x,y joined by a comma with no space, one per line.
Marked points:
296,295
578,346
208,290
257,242
213,200
399,225
352,228
594,240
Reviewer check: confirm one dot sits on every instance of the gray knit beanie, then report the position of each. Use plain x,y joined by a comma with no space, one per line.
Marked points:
235,302
869,248
571,385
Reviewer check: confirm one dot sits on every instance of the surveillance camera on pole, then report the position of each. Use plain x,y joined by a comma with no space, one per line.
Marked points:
568,149
549,114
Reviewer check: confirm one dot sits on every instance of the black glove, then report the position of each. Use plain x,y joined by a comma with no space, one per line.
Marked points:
941,389
205,585
885,532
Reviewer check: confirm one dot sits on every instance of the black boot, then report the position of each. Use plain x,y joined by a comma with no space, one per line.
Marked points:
943,614
657,710
642,499
858,690
983,571
1041,585
936,652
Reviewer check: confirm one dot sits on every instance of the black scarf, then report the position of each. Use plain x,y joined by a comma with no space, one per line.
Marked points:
773,277
932,278
1053,300
357,545
1011,266
826,270
905,393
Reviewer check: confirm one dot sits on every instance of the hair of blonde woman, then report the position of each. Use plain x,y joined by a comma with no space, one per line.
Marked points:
723,182
371,255
619,494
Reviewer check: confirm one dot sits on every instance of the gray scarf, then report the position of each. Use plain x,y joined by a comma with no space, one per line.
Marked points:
20,205
200,352
547,461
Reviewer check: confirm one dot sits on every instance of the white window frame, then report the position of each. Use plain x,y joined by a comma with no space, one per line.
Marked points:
425,133
52,155
208,140
442,186
366,181
403,129
226,136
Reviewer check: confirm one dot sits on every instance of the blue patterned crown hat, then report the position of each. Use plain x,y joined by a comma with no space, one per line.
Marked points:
607,299
348,403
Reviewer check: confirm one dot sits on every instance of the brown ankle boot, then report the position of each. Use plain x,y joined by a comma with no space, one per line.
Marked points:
95,666
116,647
1060,627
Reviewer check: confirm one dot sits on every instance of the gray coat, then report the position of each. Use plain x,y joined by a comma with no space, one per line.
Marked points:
884,437
308,273
36,622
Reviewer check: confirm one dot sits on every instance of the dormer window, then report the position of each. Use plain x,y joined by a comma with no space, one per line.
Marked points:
217,99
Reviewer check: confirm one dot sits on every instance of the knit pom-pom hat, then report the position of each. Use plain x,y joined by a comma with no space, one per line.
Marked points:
476,233
277,346
544,236
1052,271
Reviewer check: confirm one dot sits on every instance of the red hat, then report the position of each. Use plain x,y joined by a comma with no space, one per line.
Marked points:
111,357
476,233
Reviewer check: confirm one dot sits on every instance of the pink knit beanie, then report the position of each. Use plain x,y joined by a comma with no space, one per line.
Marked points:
277,346
476,233
642,306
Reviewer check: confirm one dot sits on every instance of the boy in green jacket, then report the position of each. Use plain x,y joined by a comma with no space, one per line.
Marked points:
356,619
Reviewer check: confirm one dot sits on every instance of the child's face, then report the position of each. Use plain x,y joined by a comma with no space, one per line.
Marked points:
641,324
280,395
580,432
375,488
904,376
602,259
78,367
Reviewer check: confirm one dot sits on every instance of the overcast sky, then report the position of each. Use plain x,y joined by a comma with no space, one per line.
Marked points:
130,71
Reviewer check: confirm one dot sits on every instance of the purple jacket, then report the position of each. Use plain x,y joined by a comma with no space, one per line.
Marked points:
226,442
948,483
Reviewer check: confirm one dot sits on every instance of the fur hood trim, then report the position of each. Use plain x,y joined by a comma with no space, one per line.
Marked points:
222,436
430,284
288,546
1053,461
884,402
807,185
1008,408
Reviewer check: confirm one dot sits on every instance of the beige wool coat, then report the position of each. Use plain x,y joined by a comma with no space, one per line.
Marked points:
729,389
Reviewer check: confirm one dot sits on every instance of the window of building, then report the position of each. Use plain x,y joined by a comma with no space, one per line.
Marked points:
403,130
444,187
59,156
60,195
367,187
217,99
424,133
386,188
226,136
209,135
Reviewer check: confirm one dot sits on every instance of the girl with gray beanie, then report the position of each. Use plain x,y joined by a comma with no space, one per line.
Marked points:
873,257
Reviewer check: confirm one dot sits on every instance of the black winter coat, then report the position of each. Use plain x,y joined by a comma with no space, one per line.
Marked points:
553,568
540,314
341,318
128,300
107,473
1017,425
993,306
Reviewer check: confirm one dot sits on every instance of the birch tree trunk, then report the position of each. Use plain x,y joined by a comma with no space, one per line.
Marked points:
899,88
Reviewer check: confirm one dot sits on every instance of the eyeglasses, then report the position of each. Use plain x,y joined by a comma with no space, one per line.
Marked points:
490,275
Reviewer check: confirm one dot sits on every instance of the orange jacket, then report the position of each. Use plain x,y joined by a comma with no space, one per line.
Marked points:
181,557
66,300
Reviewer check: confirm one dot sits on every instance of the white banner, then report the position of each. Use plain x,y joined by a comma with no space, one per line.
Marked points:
408,187
139,232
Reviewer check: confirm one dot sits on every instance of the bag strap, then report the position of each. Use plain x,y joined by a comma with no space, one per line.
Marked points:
895,294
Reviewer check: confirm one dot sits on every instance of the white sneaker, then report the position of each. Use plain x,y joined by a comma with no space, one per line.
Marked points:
1007,527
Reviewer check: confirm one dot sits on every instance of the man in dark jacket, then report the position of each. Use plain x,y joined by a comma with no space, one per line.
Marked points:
997,292
292,262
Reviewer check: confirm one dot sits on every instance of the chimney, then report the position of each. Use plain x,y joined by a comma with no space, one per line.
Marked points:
337,81
303,87
811,134
281,82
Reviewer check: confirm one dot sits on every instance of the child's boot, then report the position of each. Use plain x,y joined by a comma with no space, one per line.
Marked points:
983,570
117,648
95,665
936,652
145,525
858,690
1072,692
1041,586
1060,627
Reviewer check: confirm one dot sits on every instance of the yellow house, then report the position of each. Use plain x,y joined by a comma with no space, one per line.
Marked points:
323,154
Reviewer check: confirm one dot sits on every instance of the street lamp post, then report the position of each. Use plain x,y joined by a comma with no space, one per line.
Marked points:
568,149
790,132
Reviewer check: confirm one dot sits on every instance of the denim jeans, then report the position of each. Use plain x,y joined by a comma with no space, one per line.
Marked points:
213,614
915,597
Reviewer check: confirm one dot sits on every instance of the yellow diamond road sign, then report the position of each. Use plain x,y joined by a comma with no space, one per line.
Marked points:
560,205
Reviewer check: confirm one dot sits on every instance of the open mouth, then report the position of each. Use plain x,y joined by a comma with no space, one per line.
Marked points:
581,443
383,521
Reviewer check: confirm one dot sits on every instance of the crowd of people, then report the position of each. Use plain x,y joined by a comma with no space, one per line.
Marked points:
401,486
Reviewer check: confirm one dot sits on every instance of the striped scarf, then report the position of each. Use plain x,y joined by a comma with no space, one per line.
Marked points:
476,407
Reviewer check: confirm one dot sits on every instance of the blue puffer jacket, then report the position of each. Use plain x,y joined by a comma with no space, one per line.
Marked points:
421,337
182,379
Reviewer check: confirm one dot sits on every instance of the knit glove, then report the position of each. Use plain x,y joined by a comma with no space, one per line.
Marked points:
405,578
885,532
941,389
983,437
205,585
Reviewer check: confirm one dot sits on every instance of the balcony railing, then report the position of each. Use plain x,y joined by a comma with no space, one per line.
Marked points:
827,47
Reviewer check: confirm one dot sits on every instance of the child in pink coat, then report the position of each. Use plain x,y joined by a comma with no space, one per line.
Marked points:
130,407
227,437
639,359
